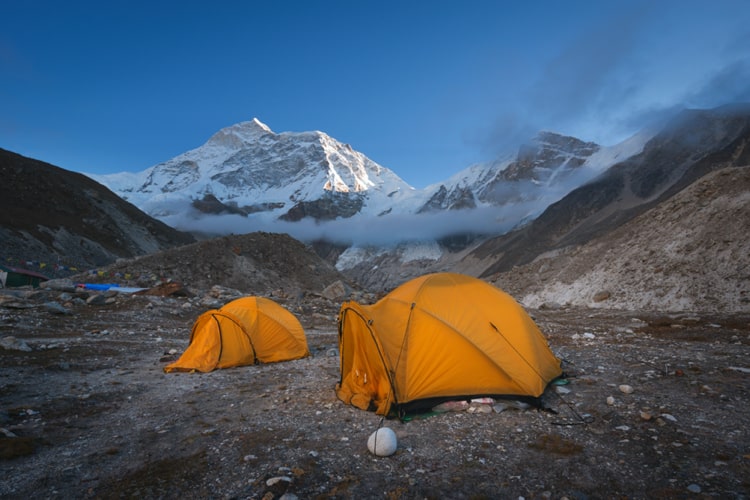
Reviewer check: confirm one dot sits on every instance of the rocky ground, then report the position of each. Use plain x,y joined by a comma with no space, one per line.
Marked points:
655,407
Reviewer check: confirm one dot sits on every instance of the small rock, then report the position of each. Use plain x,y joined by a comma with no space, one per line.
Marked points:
626,389
601,296
224,293
610,400
16,304
14,344
382,442
500,407
56,308
480,409
278,479
96,300
168,289
694,488
552,306
451,406
7,433
335,291
645,416
64,285
519,405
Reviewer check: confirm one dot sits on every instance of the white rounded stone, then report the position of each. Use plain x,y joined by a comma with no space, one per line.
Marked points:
382,442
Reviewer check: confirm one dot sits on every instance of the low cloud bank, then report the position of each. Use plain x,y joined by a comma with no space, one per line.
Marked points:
388,230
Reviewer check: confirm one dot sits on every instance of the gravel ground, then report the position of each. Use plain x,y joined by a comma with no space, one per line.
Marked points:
655,407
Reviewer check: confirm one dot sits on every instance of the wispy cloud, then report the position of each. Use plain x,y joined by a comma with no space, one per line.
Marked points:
730,84
627,72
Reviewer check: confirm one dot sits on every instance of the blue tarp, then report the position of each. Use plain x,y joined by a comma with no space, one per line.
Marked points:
109,286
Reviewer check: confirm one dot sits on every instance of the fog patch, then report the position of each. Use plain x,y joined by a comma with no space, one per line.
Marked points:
362,230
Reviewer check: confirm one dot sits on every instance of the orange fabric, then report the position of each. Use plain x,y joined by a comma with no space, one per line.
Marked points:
279,334
243,332
439,336
364,376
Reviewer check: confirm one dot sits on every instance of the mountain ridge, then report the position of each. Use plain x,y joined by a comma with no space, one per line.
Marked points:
685,150
64,218
250,171
688,253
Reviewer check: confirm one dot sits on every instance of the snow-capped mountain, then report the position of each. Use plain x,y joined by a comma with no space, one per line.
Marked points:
247,168
247,178
542,172
547,160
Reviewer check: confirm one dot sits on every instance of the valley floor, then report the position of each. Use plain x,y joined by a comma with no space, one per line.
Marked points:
87,412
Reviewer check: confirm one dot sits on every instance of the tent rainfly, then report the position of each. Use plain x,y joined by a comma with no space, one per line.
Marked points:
245,331
439,337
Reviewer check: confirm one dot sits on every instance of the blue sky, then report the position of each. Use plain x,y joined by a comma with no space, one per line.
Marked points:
425,88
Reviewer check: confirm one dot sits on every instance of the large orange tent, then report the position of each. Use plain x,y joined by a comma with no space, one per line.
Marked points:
245,331
439,337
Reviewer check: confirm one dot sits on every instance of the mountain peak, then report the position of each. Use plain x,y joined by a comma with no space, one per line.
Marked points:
554,140
240,134
255,124
247,168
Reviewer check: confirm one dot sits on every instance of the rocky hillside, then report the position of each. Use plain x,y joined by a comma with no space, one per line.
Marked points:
63,218
663,230
694,144
256,263
689,253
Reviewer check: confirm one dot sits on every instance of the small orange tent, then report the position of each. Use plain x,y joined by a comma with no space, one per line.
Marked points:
243,332
439,337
